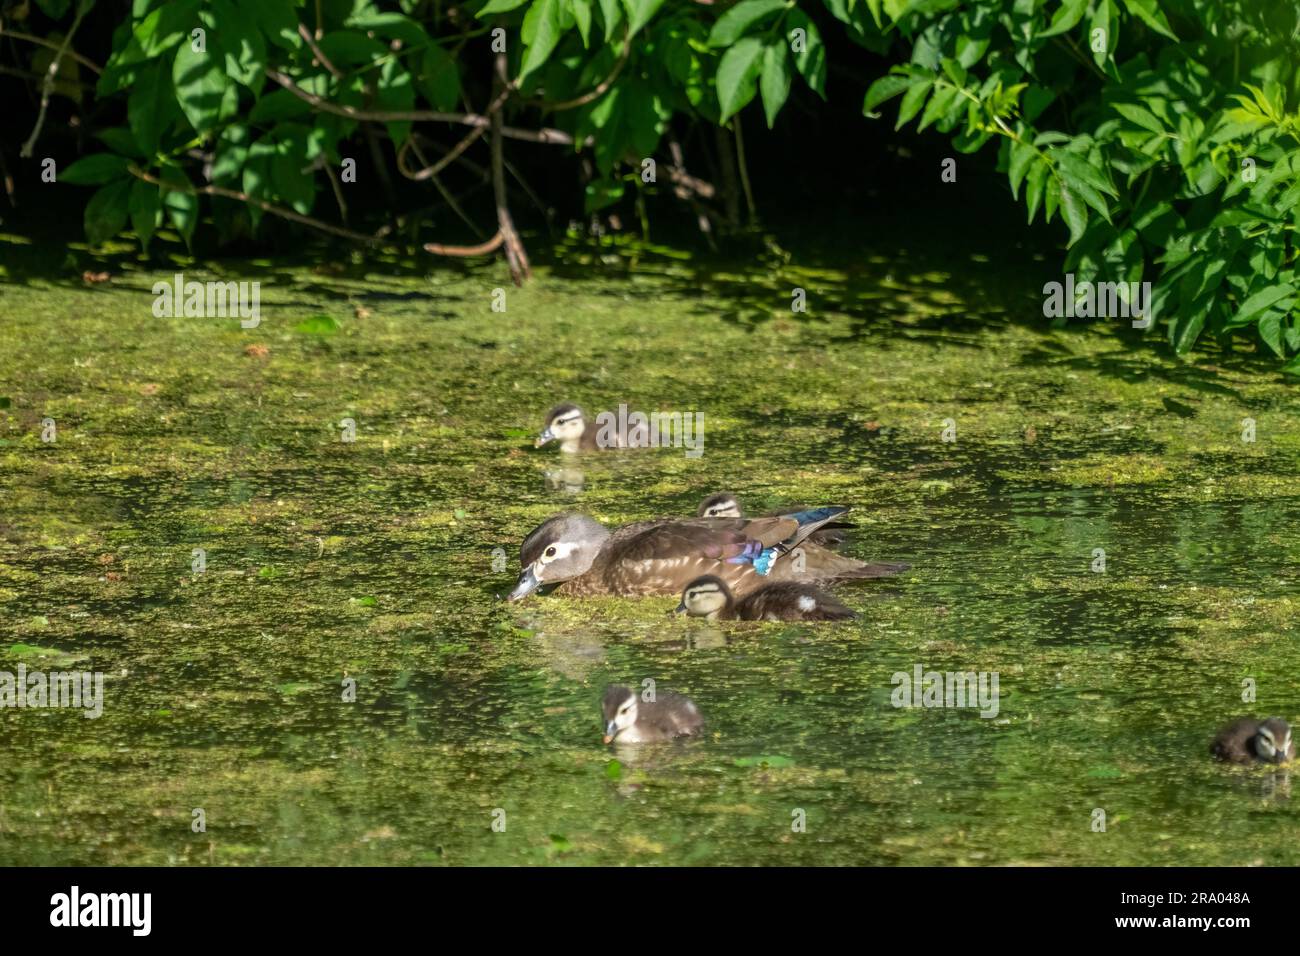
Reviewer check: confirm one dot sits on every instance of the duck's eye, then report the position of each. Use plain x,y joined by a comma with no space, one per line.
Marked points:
550,552
623,711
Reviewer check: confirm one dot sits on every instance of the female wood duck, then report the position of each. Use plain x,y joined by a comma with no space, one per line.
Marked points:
708,596
1251,740
630,720
725,505
663,556
569,425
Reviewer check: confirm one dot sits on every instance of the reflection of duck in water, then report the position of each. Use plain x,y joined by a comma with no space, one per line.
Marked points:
568,480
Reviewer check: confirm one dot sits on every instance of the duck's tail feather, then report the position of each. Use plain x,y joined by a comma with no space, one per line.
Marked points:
809,521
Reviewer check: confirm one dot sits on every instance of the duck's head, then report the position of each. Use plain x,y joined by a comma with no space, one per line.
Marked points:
720,505
559,549
565,424
619,707
704,597
1273,740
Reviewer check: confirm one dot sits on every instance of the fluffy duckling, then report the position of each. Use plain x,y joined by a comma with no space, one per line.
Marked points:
630,720
725,505
1251,740
709,597
569,425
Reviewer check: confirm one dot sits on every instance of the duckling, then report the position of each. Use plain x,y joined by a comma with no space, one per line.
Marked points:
1251,740
661,557
569,425
630,720
725,505
708,596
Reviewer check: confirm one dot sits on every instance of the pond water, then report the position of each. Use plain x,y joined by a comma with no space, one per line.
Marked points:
371,561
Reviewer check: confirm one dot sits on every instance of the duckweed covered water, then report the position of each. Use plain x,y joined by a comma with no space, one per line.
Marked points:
373,561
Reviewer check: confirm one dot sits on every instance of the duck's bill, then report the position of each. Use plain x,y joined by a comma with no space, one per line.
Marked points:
679,609
607,739
528,583
545,437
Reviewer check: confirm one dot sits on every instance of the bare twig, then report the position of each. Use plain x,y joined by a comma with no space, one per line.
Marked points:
315,47
416,116
48,88
744,172
40,41
516,257
261,204
482,249
599,90
446,193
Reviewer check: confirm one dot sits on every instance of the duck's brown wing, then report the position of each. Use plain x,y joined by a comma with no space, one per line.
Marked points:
662,557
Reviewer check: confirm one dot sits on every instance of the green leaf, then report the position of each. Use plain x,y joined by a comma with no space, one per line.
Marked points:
151,107
1270,330
1022,155
1263,300
1101,21
1074,213
1067,15
737,73
145,206
120,140
439,79
1034,187
107,211
581,11
499,6
318,325
601,193
95,169
1187,329
639,13
206,94
913,99
181,203
1078,169
774,82
810,61
733,24
940,103
1140,116
611,14
541,32
1149,12
278,21
165,27
244,48
395,93
884,89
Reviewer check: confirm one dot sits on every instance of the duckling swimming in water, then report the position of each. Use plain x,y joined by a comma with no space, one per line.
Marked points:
709,597
568,424
630,720
1251,740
